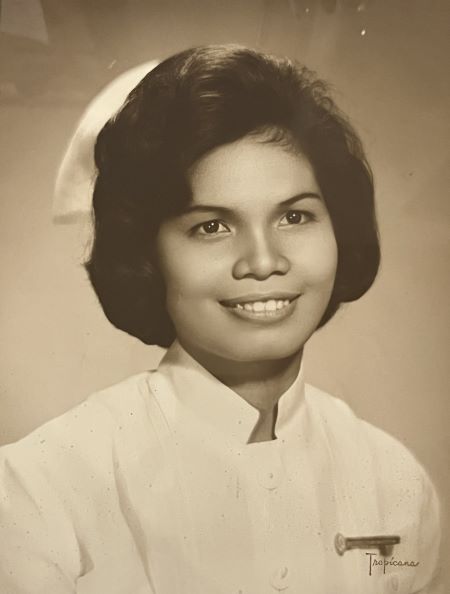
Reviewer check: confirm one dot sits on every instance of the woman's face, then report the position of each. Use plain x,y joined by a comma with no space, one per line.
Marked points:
249,266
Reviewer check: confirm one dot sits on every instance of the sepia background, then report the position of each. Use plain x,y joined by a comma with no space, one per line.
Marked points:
387,60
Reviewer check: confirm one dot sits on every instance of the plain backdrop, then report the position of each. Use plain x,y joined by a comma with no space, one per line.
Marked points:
386,355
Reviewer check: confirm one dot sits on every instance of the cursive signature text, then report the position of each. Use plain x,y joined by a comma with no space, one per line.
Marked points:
385,562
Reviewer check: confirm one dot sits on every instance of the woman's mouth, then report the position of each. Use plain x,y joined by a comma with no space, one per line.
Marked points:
261,309
263,306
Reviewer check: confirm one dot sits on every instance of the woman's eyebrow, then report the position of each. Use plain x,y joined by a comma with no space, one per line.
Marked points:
299,197
191,208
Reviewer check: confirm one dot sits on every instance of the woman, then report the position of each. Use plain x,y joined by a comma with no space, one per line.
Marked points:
234,213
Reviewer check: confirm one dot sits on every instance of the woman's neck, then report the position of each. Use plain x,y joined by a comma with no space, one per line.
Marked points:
260,383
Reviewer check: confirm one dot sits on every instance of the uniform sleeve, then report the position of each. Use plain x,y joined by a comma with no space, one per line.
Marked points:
428,577
38,548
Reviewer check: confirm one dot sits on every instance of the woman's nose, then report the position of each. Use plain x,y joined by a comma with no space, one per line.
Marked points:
259,257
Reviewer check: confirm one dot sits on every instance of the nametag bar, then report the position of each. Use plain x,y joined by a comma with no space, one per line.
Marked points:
384,544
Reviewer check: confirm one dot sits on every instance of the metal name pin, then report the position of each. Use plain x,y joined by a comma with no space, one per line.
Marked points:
384,544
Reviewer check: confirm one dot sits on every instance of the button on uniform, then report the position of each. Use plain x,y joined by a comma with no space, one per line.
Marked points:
264,459
280,579
270,479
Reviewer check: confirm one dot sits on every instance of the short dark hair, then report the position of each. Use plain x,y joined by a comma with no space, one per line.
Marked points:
189,104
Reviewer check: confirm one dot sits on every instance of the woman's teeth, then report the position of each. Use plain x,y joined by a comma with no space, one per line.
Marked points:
263,306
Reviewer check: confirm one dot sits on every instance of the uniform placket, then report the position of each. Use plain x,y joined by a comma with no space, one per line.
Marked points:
267,484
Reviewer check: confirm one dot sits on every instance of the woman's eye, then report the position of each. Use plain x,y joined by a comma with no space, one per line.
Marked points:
295,217
213,227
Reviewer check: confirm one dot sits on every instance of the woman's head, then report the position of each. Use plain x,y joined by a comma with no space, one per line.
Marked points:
181,114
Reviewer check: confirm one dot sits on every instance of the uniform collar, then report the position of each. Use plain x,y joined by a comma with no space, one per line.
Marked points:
216,405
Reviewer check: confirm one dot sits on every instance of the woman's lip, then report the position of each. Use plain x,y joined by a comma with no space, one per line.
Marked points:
253,297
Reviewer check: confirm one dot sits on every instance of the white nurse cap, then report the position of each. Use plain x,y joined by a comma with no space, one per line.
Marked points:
76,175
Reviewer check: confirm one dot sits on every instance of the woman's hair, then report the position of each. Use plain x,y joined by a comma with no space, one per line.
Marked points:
189,104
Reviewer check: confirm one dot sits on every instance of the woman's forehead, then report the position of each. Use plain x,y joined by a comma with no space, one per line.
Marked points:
250,169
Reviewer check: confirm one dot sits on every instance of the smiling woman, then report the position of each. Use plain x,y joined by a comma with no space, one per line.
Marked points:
274,242
234,213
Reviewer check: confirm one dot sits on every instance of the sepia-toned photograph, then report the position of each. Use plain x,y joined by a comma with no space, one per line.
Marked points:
224,321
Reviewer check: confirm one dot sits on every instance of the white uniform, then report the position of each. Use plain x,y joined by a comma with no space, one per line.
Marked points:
150,487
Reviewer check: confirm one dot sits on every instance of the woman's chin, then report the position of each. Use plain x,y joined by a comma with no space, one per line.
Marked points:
254,352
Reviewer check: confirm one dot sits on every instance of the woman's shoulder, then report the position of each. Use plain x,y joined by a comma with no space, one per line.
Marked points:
61,479
400,475
88,427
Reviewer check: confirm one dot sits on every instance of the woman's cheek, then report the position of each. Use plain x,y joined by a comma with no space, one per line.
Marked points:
317,264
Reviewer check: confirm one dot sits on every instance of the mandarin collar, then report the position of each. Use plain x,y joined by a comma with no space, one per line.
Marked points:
213,403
